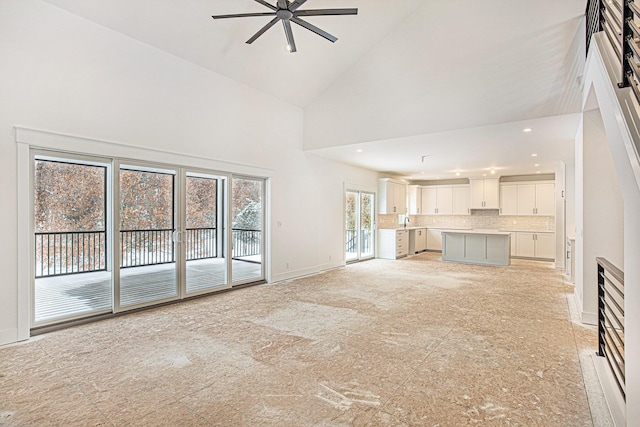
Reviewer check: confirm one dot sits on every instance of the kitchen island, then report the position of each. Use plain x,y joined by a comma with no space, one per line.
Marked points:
487,247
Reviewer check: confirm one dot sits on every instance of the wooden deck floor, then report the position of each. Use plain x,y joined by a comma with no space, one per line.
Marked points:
89,293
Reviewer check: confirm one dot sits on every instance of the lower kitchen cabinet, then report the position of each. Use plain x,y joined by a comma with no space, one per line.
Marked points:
417,240
535,245
434,239
393,244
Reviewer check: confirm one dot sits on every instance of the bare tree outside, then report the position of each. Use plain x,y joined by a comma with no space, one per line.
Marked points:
246,217
69,197
202,196
146,200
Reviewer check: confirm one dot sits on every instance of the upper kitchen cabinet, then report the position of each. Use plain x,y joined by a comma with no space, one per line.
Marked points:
484,193
461,200
536,199
509,199
437,200
415,199
392,196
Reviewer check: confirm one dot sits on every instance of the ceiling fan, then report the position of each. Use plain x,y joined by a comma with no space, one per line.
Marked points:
288,12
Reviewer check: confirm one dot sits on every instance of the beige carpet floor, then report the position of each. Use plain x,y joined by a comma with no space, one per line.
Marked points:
414,342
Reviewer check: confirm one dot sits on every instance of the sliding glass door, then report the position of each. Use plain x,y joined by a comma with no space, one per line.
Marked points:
204,238
359,225
111,235
72,267
146,235
247,237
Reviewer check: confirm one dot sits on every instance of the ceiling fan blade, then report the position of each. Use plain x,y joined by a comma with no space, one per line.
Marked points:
296,4
282,4
243,15
323,12
289,33
263,30
264,3
314,29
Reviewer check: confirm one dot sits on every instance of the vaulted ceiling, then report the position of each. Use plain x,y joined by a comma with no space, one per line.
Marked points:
457,80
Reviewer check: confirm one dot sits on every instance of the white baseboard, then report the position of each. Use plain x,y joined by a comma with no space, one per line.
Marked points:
612,395
8,336
577,300
295,274
589,318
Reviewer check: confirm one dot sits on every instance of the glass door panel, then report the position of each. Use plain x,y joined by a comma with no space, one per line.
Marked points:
359,225
367,215
72,270
146,235
351,225
247,217
204,233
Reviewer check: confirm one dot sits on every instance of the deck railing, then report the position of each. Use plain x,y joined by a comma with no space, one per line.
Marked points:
619,19
611,319
63,253
146,247
352,241
246,243
201,243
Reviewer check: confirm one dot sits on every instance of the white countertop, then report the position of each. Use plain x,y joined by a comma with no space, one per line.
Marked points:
478,231
462,230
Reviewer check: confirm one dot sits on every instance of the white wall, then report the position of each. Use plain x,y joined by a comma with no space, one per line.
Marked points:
561,233
61,73
620,121
601,225
570,199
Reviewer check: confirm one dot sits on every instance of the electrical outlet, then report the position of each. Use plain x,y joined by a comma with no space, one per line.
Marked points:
287,265
329,256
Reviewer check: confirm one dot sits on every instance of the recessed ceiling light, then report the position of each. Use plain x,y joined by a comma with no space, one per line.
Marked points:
538,172
422,172
484,174
359,150
527,130
537,164
457,173
493,171
534,155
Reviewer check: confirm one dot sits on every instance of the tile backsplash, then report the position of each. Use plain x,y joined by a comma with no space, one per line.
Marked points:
489,219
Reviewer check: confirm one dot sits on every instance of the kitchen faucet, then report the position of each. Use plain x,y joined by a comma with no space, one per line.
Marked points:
406,220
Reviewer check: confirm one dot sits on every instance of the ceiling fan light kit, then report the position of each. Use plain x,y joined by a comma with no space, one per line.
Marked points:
288,12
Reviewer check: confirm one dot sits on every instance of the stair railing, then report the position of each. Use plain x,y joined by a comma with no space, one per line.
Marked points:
619,20
611,320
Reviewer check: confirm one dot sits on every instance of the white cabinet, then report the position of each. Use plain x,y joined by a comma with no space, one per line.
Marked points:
484,193
525,245
536,198
429,201
417,240
546,199
393,244
437,200
414,197
461,200
546,245
509,200
392,196
535,245
434,239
